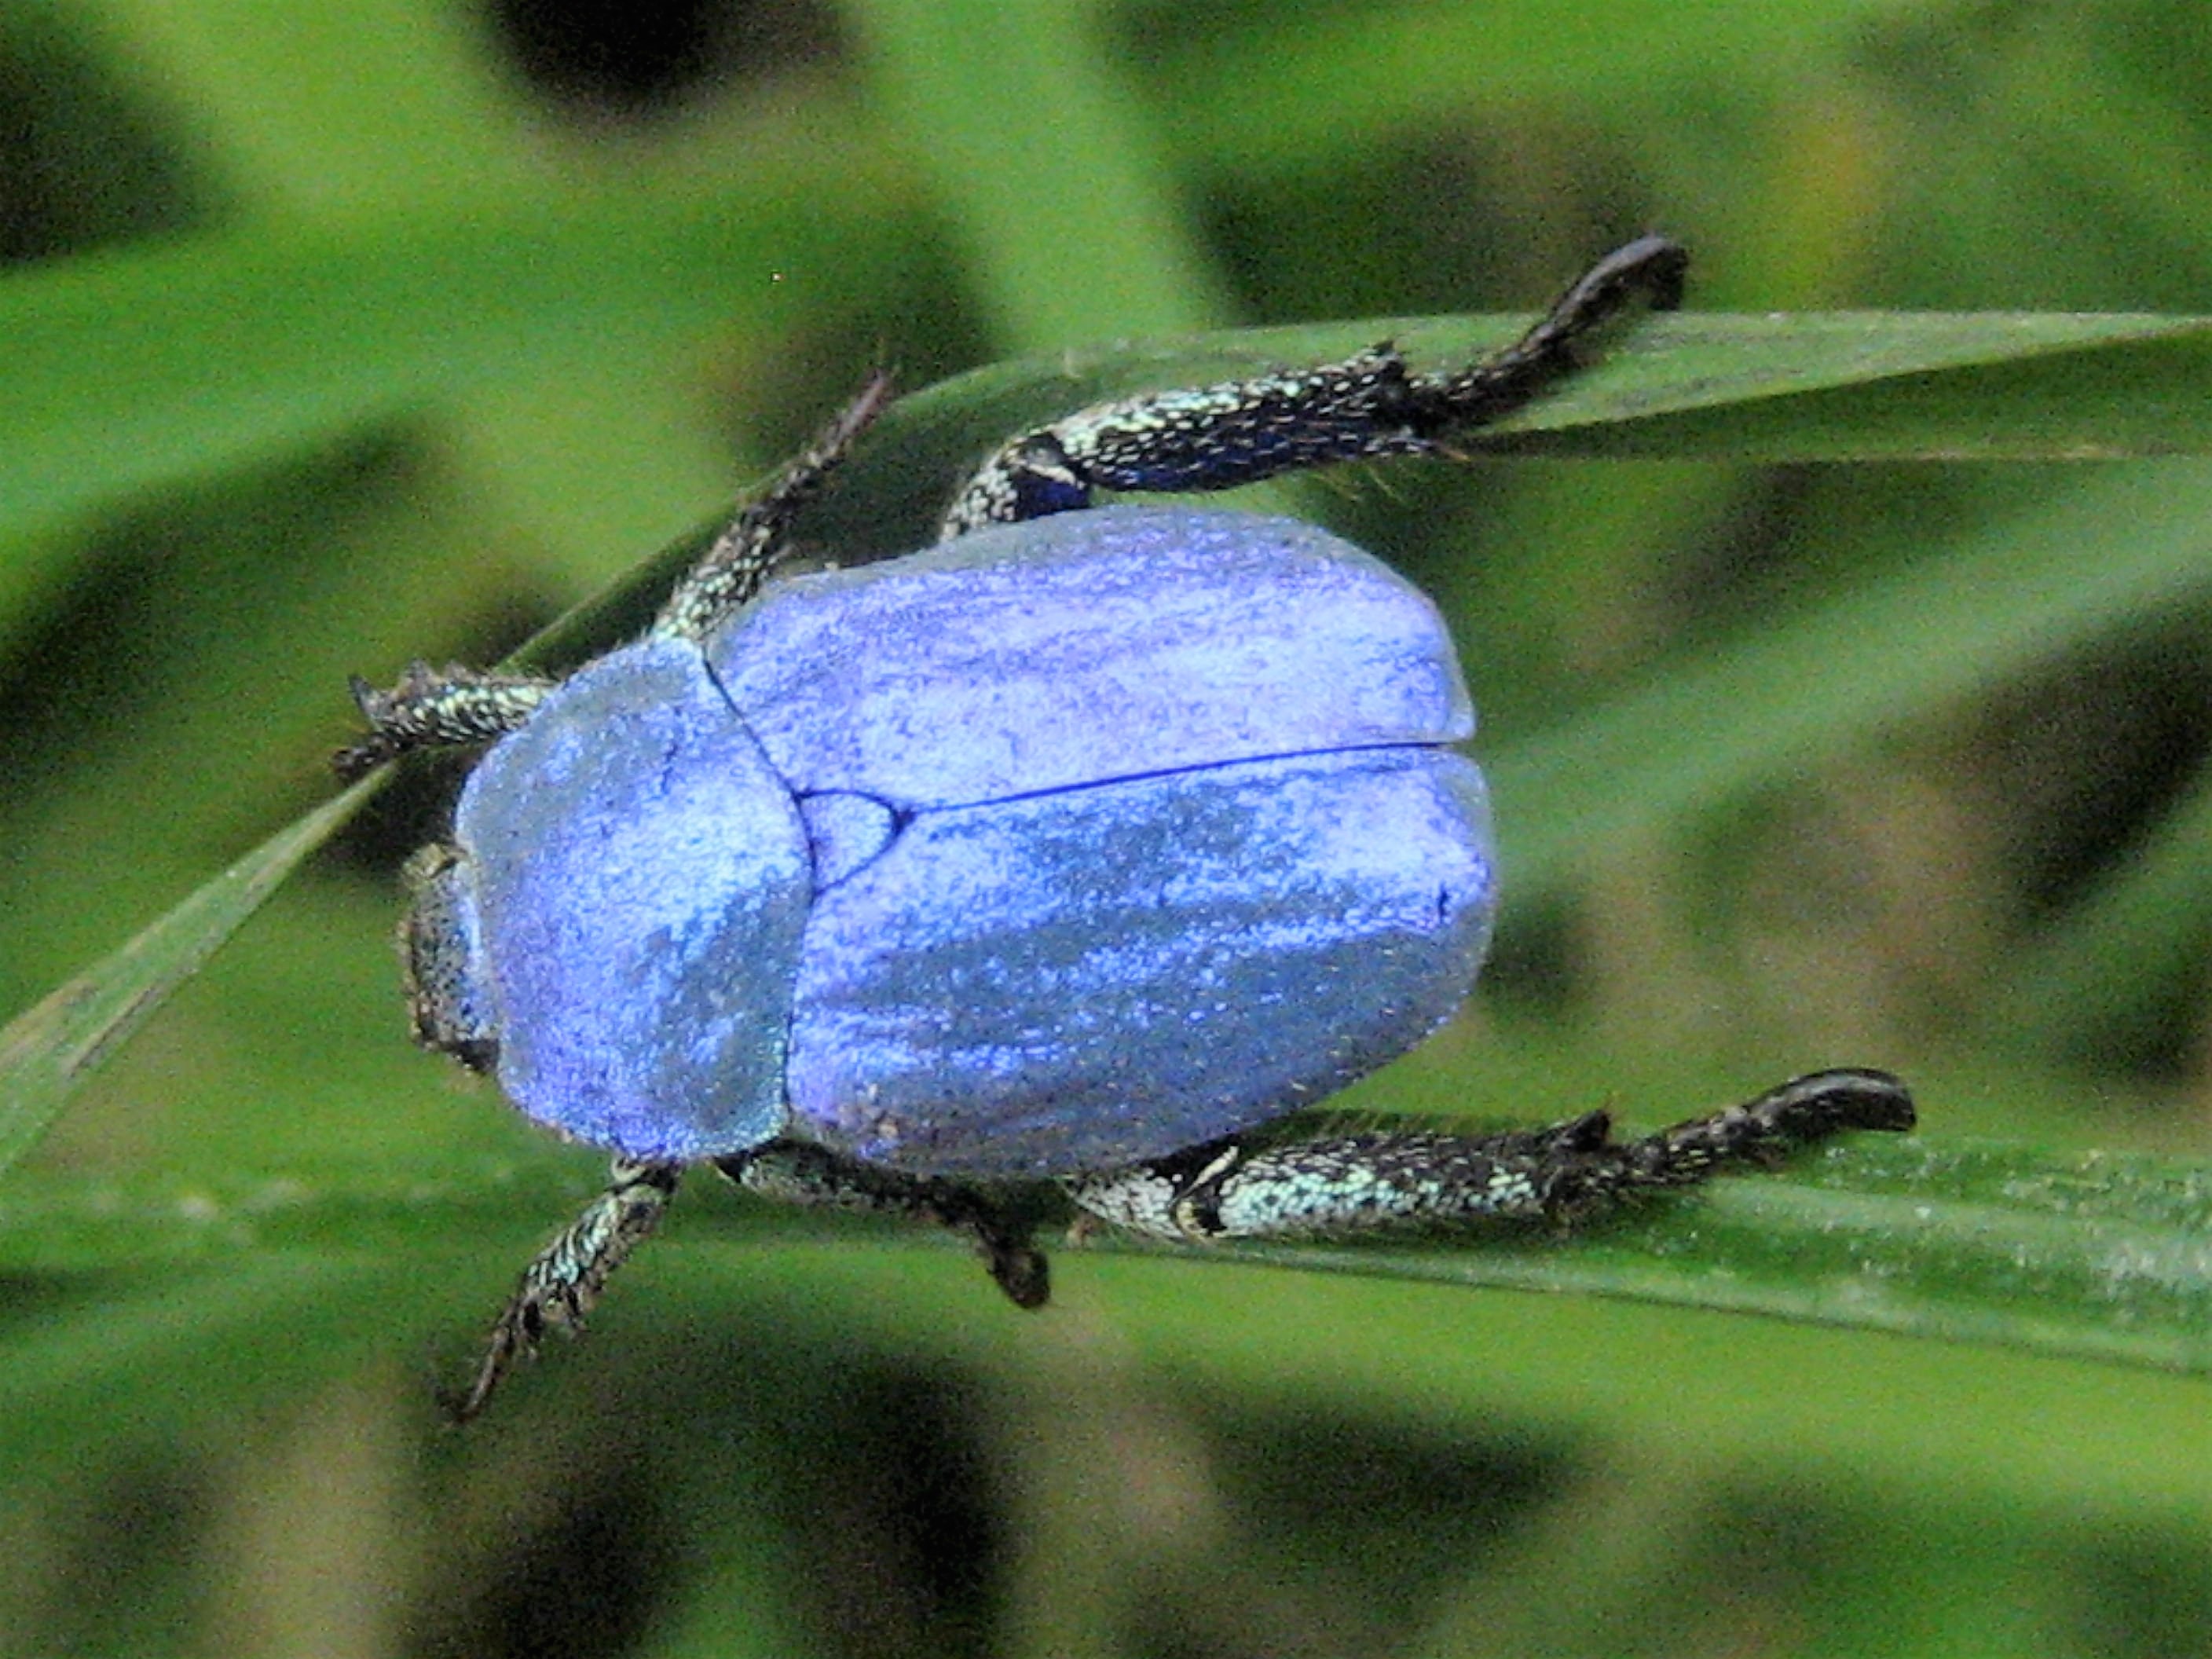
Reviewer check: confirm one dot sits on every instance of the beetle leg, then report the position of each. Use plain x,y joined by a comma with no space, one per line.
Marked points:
560,1286
431,708
1255,1186
434,708
794,1172
449,1005
731,571
1372,404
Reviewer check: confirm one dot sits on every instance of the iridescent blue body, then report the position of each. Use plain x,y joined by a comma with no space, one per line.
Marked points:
1056,848
1047,867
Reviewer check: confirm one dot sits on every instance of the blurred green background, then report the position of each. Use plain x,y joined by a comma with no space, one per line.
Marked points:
343,336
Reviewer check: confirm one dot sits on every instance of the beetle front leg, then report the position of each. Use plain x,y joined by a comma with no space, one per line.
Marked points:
1258,1187
1372,404
563,1282
433,707
732,571
794,1172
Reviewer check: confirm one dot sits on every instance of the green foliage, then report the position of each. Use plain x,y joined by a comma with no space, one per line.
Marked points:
345,344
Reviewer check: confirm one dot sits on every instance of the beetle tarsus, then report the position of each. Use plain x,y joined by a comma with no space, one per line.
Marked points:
1649,270
1368,405
1796,1113
732,569
1260,1187
564,1281
1017,1266
436,708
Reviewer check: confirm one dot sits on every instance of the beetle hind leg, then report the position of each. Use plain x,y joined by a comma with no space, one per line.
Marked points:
1368,405
1261,1186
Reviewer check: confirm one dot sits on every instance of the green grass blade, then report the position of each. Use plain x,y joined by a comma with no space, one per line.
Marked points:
2091,1255
1928,385
2094,1255
1743,369
56,1043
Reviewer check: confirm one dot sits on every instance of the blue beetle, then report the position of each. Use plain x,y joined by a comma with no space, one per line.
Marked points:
1079,850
